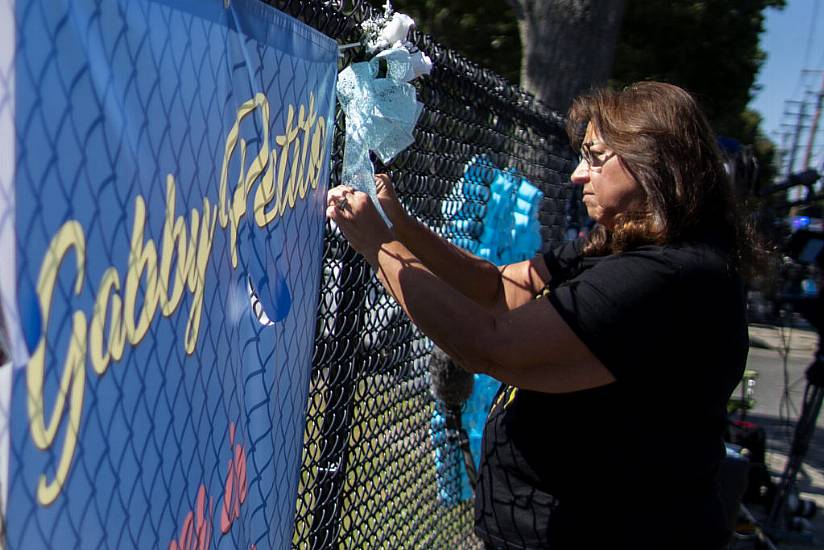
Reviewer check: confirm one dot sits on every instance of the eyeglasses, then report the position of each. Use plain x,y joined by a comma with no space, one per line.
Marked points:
595,159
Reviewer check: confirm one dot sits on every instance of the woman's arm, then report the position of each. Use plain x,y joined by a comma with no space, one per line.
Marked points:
497,288
530,347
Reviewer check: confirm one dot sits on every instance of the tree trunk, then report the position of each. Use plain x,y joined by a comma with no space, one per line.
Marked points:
568,46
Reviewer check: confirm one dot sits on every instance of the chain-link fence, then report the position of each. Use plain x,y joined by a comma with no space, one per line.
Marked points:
369,467
124,109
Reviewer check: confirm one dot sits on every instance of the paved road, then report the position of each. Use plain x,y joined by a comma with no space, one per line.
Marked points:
769,390
778,405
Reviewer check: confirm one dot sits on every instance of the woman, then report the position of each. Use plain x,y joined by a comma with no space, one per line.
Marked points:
608,431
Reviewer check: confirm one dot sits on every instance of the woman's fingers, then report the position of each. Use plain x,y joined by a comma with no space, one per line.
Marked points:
382,181
357,218
383,185
389,199
345,204
337,195
336,201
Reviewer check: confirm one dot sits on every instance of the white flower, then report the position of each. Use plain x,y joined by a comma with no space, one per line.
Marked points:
421,64
397,29
386,33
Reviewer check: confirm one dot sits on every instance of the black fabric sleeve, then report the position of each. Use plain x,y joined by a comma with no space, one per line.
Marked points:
620,308
563,261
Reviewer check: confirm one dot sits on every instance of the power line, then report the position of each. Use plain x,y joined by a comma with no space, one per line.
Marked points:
821,59
802,80
810,34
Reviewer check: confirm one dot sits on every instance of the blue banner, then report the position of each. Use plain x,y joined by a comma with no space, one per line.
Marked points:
171,161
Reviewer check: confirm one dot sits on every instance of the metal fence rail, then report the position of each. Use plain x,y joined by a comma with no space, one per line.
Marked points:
368,478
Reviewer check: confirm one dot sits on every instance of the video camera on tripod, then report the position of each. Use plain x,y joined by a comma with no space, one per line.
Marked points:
806,248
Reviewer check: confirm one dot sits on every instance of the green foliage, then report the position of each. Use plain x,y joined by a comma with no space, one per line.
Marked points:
710,48
485,31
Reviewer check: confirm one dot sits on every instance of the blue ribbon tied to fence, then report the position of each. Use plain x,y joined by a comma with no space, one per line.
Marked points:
497,220
381,112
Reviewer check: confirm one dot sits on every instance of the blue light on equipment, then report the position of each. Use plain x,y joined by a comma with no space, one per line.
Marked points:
800,222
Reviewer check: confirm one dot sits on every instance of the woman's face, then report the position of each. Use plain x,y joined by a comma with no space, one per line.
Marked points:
609,188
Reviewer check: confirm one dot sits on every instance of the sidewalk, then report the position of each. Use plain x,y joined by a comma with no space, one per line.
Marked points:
779,395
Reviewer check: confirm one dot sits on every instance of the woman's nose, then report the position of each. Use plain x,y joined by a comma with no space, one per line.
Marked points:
581,173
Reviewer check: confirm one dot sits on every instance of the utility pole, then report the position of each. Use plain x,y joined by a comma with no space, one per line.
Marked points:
797,136
814,127
795,131
783,152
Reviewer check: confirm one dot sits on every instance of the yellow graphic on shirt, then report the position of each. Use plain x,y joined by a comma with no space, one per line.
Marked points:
544,293
508,394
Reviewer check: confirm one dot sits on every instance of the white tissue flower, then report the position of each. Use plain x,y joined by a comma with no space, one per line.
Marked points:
397,29
421,64
392,32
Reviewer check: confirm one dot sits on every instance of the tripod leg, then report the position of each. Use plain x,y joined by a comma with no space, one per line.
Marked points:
805,428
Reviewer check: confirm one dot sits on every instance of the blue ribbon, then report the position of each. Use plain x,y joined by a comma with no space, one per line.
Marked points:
380,115
503,207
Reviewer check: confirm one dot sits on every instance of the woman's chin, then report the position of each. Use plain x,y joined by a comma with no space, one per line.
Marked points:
596,215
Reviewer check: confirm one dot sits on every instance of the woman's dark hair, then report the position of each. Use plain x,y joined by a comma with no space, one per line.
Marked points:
667,145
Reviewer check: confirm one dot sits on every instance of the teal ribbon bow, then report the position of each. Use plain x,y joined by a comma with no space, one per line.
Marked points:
380,115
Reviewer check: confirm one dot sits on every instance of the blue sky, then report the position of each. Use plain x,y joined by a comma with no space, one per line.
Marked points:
793,40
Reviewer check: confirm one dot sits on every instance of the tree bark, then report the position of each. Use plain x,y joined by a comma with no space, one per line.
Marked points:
568,46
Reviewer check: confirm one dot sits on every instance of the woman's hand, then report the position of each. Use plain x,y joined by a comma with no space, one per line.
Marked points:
389,200
358,219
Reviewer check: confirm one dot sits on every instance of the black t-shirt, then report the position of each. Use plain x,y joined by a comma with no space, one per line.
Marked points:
632,464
